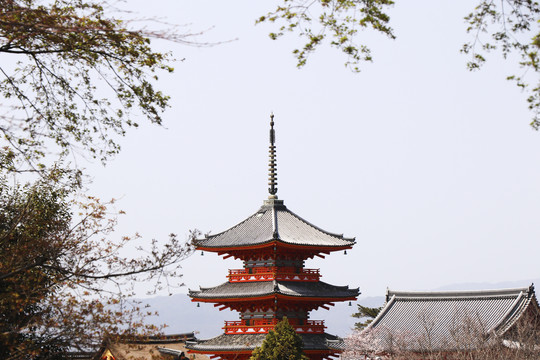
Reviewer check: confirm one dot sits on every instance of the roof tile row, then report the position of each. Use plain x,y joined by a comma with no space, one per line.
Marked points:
262,288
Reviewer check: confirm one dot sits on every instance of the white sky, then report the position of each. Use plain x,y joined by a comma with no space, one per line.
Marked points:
432,168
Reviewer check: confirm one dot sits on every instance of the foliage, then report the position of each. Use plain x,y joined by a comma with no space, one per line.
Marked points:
510,27
72,80
365,312
282,343
362,345
78,77
342,19
63,285
506,25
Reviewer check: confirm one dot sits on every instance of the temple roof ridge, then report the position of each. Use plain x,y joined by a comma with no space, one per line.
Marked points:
461,293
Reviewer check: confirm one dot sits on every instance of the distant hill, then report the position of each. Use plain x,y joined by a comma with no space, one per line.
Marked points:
182,315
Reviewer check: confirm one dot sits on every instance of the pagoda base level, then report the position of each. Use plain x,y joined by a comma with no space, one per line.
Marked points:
235,355
240,347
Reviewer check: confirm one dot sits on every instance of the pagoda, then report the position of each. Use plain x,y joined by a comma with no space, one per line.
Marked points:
273,244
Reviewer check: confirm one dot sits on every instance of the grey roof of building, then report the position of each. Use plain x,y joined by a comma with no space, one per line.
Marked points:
239,342
273,221
440,318
317,289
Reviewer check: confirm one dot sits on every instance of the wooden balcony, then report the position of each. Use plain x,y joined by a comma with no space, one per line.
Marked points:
273,273
262,326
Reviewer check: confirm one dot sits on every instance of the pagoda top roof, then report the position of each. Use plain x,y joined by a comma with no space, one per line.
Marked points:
274,222
244,342
236,290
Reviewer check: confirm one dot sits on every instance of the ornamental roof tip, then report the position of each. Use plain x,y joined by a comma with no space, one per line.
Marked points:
190,291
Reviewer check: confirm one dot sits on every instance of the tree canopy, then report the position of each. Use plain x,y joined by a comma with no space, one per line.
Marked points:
340,20
63,283
506,26
72,78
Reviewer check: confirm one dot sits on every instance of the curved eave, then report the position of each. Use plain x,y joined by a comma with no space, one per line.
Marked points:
208,238
251,290
218,352
271,297
385,308
519,308
271,243
243,344
276,288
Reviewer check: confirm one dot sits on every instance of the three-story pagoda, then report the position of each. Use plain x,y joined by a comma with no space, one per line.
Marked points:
273,244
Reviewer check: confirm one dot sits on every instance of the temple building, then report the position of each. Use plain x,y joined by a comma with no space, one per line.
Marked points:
273,244
455,323
162,347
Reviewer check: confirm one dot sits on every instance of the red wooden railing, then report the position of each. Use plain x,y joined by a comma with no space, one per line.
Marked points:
261,326
273,273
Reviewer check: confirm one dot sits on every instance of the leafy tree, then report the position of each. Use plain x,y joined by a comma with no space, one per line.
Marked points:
342,19
365,312
79,77
282,343
63,284
509,26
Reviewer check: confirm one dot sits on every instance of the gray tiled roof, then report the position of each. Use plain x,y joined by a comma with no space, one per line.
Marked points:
438,318
262,288
226,342
273,221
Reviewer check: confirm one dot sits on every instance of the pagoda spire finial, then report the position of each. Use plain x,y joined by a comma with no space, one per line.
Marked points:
272,166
